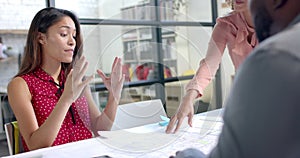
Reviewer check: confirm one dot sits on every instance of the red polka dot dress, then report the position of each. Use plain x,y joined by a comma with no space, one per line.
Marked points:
45,94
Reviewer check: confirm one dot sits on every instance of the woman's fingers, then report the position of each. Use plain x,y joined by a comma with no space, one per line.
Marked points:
171,124
76,80
178,124
114,63
123,79
117,71
82,72
190,120
80,67
119,68
78,64
87,80
102,75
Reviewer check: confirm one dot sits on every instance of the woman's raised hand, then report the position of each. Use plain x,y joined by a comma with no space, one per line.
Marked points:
114,83
76,80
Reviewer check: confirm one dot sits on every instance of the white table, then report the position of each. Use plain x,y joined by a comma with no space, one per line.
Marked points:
145,141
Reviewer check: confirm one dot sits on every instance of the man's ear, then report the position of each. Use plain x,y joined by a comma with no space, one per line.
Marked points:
278,3
42,38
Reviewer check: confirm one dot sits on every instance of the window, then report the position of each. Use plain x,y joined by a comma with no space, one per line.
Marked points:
160,41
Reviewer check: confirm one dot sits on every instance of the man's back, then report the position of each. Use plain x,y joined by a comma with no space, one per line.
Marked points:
262,113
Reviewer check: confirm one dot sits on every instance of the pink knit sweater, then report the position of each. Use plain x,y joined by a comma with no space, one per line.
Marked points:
232,31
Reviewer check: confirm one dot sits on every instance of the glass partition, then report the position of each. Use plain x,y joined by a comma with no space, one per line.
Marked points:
110,9
157,45
171,10
185,10
182,49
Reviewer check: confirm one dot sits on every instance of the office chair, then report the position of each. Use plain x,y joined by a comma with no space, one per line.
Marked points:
13,138
138,114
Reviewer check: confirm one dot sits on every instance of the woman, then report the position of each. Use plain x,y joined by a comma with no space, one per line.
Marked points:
235,31
55,105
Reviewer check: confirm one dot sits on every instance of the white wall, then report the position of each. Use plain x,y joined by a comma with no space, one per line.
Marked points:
15,19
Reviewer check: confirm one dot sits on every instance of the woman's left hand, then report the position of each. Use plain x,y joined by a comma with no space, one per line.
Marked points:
114,83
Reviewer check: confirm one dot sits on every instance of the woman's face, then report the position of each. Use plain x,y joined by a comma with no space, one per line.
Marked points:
240,5
58,43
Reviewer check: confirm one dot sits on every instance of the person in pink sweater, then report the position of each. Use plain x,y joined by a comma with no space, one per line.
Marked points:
234,30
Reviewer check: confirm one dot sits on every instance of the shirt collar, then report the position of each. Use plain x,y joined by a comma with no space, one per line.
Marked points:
40,73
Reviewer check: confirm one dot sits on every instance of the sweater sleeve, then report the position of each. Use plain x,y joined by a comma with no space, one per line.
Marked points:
210,64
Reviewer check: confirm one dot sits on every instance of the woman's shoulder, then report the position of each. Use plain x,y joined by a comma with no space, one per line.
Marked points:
234,20
20,80
231,18
17,79
226,22
16,83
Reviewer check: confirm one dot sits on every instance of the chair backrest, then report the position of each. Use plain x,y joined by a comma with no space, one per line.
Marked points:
13,138
138,114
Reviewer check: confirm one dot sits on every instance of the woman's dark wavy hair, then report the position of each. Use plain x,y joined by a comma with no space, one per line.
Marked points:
41,22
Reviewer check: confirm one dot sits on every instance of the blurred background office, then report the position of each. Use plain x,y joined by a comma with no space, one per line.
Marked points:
160,41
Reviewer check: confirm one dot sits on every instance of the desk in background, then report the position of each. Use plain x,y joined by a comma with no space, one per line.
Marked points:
176,90
145,141
6,113
8,69
3,93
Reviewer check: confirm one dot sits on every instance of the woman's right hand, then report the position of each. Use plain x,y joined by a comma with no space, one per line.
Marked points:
114,83
76,82
186,108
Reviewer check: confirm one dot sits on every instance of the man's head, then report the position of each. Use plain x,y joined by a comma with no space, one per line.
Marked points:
272,16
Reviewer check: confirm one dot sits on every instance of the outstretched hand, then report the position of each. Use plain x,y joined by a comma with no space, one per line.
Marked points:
75,82
185,109
114,83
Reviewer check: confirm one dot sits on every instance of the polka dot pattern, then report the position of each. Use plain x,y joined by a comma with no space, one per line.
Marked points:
44,98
